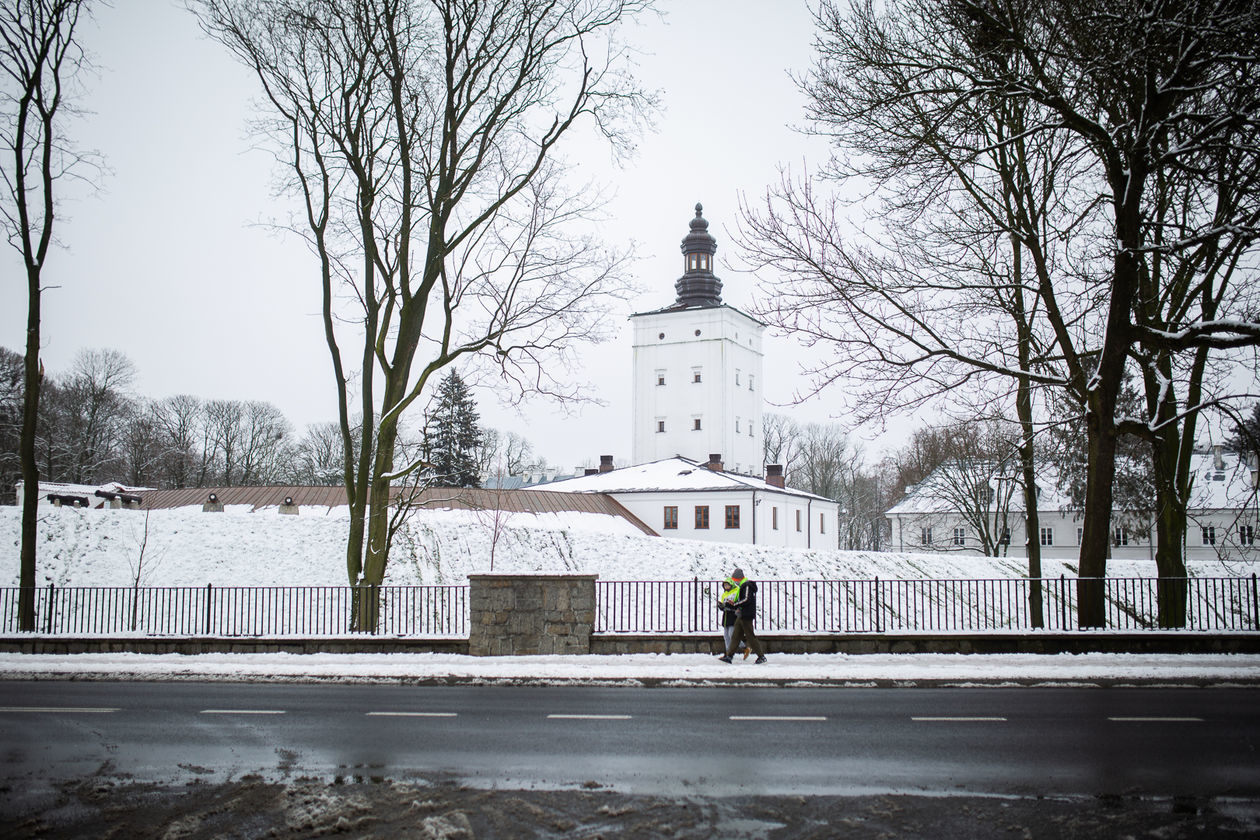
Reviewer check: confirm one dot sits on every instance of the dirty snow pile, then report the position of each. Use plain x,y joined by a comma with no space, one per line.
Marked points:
247,547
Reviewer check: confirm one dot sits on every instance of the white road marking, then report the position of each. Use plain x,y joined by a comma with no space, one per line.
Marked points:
950,719
1157,719
77,710
589,717
777,717
242,711
413,714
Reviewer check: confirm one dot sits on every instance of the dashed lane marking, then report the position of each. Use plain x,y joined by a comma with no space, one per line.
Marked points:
74,710
1157,719
242,711
413,714
777,717
958,719
589,717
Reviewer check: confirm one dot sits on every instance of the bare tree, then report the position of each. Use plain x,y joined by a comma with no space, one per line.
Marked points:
11,367
97,400
318,456
781,440
40,58
422,139
180,420
1055,122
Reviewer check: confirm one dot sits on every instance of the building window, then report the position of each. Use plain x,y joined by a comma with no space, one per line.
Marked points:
695,424
732,516
1120,537
750,381
1047,536
1005,539
960,536
671,517
798,520
1209,535
660,426
822,523
1080,535
750,432
736,425
695,374
660,377
774,518
737,376
702,517
1246,534
925,536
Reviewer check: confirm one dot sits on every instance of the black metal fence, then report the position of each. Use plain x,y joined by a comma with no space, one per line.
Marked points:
894,605
651,607
434,611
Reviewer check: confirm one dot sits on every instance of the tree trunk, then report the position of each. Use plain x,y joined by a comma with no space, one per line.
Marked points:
26,454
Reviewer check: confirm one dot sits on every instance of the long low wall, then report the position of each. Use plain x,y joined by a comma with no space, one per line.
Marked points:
620,644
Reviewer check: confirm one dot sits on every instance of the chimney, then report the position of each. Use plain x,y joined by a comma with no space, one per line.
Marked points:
591,471
606,463
715,461
1218,459
774,475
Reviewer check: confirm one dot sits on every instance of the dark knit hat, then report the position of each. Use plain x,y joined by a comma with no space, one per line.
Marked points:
738,573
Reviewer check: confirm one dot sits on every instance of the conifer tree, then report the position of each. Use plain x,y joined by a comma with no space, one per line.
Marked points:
452,435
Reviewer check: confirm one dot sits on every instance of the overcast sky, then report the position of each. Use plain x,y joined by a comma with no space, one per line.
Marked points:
169,265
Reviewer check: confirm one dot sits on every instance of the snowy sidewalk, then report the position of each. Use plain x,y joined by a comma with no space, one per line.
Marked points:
650,669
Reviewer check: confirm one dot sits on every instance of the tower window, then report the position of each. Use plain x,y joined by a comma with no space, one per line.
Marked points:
695,374
737,376
660,426
660,377
750,381
736,425
695,424
774,518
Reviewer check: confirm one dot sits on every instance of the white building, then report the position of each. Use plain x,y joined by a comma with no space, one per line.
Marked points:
697,370
1224,516
681,497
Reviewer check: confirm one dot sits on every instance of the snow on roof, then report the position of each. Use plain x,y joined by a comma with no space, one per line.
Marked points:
669,475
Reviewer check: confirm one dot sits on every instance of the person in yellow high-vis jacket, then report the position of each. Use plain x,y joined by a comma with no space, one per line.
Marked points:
728,613
746,609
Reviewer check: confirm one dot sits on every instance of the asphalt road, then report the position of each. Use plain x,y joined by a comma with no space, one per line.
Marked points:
1060,741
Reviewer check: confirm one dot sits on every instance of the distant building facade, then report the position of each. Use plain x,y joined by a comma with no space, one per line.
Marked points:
683,498
697,370
1223,516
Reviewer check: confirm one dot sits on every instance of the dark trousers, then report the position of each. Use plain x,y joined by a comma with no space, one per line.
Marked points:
744,631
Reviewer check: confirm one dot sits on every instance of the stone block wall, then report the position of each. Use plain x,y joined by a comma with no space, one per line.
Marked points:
516,615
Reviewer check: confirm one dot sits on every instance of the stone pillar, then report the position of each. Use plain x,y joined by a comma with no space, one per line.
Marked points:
515,615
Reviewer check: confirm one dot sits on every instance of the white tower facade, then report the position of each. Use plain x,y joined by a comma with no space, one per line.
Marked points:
697,370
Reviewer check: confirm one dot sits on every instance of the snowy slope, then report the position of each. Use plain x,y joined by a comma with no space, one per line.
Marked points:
186,547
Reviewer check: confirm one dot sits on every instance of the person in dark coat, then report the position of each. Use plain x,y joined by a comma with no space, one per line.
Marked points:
728,613
746,609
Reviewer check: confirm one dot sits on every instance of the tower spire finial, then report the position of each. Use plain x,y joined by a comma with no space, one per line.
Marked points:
698,286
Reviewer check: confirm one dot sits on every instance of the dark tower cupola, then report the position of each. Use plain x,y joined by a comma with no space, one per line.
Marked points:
698,286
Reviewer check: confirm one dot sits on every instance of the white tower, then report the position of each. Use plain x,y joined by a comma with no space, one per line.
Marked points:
697,370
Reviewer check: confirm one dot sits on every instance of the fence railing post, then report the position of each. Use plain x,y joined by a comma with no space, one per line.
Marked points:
209,600
52,589
1063,625
1255,602
879,619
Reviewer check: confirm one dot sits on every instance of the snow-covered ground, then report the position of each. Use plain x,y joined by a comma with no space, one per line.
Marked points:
240,547
656,669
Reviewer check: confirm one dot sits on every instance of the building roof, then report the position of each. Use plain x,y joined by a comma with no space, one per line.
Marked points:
669,475
434,498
